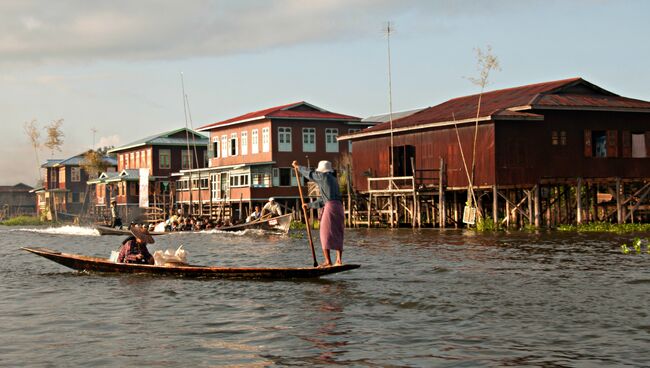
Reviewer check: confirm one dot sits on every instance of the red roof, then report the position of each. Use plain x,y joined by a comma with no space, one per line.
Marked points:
566,93
296,110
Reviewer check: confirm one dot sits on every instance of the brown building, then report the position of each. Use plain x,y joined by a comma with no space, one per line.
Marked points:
65,190
251,155
16,200
159,156
557,137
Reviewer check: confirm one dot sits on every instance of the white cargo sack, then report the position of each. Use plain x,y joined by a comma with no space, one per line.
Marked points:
114,255
170,257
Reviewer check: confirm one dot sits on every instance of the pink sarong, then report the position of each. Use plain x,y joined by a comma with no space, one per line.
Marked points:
332,226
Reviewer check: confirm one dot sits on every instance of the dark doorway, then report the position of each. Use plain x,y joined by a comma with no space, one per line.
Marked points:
402,165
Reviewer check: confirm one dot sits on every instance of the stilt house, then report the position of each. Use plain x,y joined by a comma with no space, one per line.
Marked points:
556,142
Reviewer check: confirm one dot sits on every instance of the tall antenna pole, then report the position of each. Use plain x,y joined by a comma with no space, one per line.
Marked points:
94,130
187,141
388,31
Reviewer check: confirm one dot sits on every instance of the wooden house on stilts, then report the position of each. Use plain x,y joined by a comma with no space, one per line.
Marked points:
551,153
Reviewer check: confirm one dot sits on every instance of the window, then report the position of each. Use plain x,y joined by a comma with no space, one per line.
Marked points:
639,148
75,174
265,139
206,159
331,144
132,160
558,138
308,139
599,143
164,159
136,163
143,156
261,177
284,139
126,161
214,186
134,189
234,147
351,131
239,180
75,197
224,146
244,143
186,158
121,162
215,147
254,141
283,177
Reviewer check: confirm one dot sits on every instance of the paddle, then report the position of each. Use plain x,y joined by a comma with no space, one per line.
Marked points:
304,212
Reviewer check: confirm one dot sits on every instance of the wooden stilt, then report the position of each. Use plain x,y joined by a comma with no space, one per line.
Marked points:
619,207
579,202
369,208
495,205
456,210
531,219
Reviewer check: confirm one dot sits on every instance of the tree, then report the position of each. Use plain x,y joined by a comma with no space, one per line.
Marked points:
94,163
35,140
55,136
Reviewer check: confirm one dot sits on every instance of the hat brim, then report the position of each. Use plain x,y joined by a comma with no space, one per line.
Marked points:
142,234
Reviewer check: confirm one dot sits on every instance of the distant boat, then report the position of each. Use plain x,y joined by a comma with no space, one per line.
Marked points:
104,265
279,224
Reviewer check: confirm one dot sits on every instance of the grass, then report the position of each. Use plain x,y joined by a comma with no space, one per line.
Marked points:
22,221
606,227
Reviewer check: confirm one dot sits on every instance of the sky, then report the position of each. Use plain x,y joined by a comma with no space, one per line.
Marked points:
115,66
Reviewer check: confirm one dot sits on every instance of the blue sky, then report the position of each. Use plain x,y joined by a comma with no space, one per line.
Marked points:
115,65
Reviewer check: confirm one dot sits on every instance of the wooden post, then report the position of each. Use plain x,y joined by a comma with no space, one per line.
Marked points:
441,194
392,211
619,207
507,210
369,208
456,210
538,209
579,202
241,205
495,205
529,194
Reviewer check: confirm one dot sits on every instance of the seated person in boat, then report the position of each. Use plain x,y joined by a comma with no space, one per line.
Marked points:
134,248
271,209
255,215
207,224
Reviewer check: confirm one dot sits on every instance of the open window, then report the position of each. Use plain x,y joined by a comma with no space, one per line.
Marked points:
402,165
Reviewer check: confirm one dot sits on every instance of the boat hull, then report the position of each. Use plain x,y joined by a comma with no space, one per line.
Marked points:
279,224
103,265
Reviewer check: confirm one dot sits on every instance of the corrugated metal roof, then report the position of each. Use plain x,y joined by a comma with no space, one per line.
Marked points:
566,93
164,139
51,162
385,118
287,111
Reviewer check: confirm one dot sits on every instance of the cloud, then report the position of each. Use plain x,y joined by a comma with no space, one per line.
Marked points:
108,141
82,31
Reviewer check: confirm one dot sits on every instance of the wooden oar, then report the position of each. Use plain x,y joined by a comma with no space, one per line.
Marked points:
304,212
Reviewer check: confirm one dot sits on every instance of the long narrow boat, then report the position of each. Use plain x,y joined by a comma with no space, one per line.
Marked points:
94,264
279,224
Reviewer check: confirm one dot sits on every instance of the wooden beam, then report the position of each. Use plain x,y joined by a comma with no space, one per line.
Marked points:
579,202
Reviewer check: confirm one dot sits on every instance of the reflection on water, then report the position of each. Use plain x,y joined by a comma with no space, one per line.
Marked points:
422,298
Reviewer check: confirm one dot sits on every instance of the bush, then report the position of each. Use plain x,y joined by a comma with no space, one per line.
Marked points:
606,227
22,221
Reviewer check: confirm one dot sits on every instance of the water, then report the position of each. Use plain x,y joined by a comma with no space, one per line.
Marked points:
422,298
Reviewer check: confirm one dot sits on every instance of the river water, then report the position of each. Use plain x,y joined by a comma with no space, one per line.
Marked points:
421,298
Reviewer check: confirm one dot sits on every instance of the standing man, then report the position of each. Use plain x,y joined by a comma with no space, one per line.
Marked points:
116,221
333,217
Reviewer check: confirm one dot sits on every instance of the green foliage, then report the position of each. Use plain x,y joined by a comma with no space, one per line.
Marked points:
637,245
606,227
22,221
486,224
298,225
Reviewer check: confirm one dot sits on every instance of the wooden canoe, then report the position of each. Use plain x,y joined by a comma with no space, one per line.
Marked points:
279,224
95,264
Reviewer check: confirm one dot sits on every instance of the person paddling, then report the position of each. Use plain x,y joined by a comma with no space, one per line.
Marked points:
134,248
332,218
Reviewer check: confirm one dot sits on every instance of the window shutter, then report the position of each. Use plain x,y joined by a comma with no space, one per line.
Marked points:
588,150
647,144
276,177
612,143
294,180
627,143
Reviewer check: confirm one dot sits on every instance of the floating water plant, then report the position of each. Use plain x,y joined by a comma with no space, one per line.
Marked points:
625,249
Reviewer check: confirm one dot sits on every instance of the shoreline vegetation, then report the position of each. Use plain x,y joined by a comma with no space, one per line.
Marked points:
486,225
23,221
